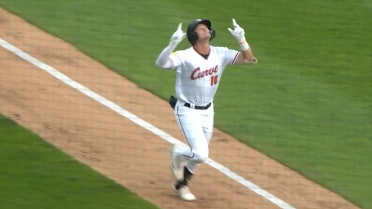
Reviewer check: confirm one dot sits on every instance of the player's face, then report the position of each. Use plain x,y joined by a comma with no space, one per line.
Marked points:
203,32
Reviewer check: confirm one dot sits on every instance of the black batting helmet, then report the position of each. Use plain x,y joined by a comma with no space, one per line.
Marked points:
192,36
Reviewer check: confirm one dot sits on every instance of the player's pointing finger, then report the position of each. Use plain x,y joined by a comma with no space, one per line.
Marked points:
179,26
234,22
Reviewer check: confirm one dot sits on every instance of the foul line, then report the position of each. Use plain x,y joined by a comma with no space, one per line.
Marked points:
121,111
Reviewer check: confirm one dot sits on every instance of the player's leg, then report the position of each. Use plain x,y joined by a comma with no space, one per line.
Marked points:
191,124
202,146
208,123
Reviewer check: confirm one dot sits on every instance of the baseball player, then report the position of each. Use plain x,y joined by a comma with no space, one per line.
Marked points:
198,73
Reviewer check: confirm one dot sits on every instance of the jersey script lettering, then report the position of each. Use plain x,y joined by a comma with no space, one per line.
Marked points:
196,73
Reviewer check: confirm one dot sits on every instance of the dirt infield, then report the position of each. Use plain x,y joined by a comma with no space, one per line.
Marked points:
122,150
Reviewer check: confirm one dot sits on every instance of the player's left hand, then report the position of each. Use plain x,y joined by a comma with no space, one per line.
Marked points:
238,32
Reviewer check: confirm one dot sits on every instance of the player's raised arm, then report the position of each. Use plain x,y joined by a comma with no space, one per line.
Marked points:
246,55
163,59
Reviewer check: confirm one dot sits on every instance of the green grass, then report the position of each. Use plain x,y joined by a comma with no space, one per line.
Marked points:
307,103
34,175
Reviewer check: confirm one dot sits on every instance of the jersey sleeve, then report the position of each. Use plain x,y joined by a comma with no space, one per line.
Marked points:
175,59
228,56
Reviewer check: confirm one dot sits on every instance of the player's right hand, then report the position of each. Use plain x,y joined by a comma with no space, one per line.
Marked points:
178,36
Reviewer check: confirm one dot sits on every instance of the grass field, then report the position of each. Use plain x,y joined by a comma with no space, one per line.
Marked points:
34,174
307,103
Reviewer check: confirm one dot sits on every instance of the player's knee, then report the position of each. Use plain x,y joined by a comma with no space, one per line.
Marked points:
200,157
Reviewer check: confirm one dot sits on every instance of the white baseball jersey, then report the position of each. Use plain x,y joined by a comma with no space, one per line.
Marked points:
197,78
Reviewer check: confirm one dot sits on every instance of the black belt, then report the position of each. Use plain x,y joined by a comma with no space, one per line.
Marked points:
198,107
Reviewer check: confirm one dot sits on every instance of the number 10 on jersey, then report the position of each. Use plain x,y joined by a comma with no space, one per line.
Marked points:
214,80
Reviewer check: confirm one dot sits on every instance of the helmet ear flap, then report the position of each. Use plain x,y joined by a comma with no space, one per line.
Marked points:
193,37
213,33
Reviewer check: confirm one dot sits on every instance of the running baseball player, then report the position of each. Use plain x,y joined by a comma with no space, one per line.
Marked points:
198,72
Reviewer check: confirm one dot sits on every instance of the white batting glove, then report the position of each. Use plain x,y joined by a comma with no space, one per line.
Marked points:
239,34
177,36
